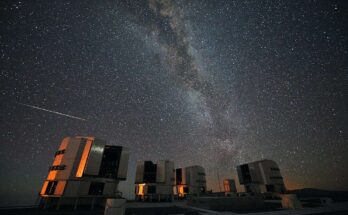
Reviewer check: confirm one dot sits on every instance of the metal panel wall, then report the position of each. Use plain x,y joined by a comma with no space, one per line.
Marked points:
139,177
110,189
161,172
95,157
72,189
84,188
169,173
123,167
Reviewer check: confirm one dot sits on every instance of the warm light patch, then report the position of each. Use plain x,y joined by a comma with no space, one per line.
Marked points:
141,189
227,186
60,188
84,158
44,187
58,160
52,175
64,143
181,192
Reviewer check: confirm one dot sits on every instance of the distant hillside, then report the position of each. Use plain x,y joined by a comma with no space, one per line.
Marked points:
312,192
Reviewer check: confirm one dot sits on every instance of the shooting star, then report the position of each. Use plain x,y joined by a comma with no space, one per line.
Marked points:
51,111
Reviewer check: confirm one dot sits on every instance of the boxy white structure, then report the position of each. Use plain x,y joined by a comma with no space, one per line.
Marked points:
85,171
155,181
190,181
261,177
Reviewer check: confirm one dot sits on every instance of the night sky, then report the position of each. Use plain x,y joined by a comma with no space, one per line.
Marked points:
211,83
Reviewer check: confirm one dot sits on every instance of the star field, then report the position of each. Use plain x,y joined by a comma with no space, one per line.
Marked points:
211,83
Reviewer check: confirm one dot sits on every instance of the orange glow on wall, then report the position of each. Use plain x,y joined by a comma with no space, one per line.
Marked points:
141,189
58,160
227,186
64,143
52,175
181,192
84,158
60,188
44,187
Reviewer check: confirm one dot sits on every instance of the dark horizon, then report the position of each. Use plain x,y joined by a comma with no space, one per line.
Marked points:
206,83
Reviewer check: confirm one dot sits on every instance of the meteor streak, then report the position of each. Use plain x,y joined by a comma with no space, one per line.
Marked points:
51,111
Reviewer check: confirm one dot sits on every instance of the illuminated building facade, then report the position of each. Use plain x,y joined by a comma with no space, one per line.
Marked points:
261,177
190,181
85,171
229,186
155,181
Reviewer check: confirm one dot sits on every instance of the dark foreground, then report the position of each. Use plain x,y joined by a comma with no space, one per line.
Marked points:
148,211
180,207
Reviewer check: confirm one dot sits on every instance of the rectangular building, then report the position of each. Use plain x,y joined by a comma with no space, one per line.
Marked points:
261,177
190,181
155,181
85,170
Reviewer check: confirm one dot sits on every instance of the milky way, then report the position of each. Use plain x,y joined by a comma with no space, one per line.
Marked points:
211,83
171,33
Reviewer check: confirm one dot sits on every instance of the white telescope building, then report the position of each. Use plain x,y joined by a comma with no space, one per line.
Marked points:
190,181
155,181
261,177
85,171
